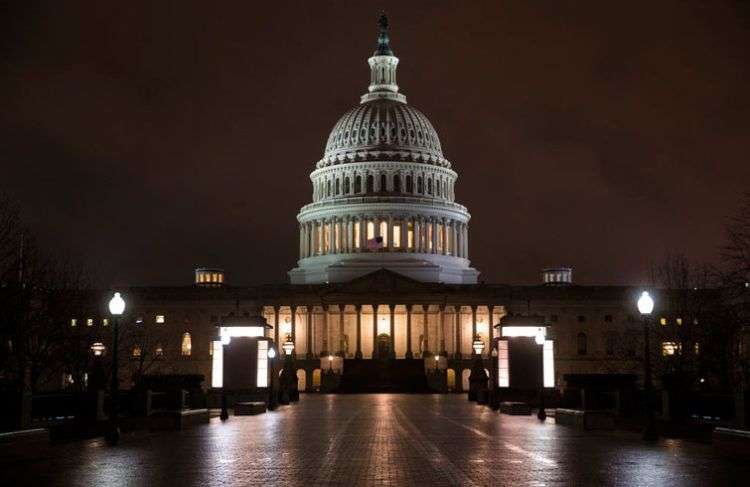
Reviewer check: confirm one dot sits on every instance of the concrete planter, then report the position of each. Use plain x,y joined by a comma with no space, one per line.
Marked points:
585,420
178,420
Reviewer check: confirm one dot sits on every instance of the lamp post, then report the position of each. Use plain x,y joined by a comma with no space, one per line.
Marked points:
290,377
116,309
330,364
273,400
645,307
494,403
477,377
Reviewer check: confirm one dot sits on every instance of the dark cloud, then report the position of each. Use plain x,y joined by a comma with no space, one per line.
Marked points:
152,137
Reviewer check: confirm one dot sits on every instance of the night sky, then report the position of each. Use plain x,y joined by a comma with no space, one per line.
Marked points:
148,138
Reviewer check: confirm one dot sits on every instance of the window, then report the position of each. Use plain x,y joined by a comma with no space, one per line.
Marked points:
429,186
105,322
160,319
663,321
356,234
396,235
328,188
582,343
136,352
410,235
370,183
338,186
159,351
346,185
358,184
608,318
697,348
609,345
187,345
383,183
397,183
553,318
73,322
669,348
89,321
409,184
678,321
98,349
419,184
581,318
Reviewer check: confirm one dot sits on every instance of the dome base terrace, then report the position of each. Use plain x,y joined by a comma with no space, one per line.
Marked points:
346,267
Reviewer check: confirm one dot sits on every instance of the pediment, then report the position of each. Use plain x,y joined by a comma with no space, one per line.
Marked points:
381,282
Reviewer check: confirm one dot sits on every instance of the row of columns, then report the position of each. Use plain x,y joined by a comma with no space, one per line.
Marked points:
420,186
392,335
343,235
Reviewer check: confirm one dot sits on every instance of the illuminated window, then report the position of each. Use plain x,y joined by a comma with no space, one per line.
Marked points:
73,322
428,235
89,321
356,234
697,348
695,321
210,349
678,321
159,351
668,348
187,345
262,376
98,349
160,319
384,233
396,235
105,322
439,228
582,344
370,230
503,370
136,352
410,235
663,321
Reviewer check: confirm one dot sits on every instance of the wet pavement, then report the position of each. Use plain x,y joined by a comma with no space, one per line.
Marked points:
380,439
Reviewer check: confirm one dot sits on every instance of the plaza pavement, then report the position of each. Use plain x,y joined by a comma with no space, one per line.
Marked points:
388,440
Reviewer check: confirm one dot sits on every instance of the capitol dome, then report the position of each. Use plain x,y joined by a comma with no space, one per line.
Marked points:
383,195
383,129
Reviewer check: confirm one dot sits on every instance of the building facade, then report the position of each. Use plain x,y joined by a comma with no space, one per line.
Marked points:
384,274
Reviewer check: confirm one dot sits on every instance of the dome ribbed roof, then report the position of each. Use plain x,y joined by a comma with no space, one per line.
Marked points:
383,129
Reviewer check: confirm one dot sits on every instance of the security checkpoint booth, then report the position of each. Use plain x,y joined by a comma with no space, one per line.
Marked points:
244,364
525,363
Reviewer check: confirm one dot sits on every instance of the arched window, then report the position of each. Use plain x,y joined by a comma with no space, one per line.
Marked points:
370,183
383,183
409,184
429,186
187,345
582,343
346,185
358,184
419,184
328,188
338,186
438,187
397,183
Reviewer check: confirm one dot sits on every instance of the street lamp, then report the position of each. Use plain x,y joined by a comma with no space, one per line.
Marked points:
98,349
645,307
437,362
330,364
273,400
494,403
478,346
116,309
477,376
288,346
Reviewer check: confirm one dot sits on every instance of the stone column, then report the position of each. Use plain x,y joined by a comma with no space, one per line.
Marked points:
473,325
425,332
342,350
491,328
409,353
404,234
362,233
330,236
454,236
350,234
446,240
358,353
457,326
434,225
325,352
374,330
466,240
418,234
276,326
293,310
441,332
389,242
392,309
309,323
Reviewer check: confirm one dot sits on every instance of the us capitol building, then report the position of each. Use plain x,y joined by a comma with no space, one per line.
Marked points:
384,277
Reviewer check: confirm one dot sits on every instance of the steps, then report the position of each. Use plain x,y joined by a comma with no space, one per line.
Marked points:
387,375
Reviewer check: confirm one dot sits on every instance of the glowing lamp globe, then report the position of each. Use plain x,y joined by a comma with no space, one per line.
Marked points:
478,346
117,305
645,303
271,353
539,337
